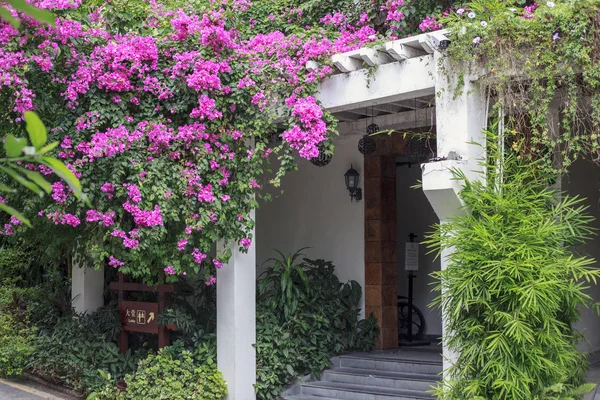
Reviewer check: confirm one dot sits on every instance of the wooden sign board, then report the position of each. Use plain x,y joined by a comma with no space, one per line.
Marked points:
137,316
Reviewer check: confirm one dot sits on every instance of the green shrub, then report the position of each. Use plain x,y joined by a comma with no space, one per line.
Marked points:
305,315
175,374
17,339
14,264
78,347
513,286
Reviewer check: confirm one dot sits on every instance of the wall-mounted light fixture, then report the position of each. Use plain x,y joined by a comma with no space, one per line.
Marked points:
352,176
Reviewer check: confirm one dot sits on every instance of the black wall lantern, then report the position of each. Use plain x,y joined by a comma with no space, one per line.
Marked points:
352,176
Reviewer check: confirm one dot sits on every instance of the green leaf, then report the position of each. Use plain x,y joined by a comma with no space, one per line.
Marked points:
5,188
24,182
66,175
36,129
37,178
15,213
14,146
290,369
48,148
6,15
37,13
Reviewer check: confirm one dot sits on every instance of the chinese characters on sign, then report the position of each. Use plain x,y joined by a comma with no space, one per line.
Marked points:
139,316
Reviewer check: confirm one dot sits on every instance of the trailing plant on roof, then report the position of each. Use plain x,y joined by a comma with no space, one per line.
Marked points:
514,286
536,59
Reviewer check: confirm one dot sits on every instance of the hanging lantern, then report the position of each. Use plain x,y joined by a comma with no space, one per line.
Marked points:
373,128
367,145
275,138
323,159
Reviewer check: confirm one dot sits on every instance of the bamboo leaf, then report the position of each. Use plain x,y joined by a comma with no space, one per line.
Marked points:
34,12
36,129
22,181
48,148
14,146
15,213
37,178
66,175
6,15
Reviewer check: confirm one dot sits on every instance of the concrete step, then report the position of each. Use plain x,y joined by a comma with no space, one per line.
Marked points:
347,391
391,364
306,397
394,380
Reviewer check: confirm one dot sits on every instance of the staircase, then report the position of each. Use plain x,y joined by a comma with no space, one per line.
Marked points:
400,375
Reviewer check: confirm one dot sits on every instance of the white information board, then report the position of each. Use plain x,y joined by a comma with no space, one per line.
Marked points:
411,257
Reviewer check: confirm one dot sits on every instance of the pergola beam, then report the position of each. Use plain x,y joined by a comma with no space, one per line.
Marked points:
391,83
400,121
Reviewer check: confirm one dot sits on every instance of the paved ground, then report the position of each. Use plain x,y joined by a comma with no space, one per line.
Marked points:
25,390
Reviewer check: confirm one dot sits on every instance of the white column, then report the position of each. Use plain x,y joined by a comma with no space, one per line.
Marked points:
87,287
236,322
461,113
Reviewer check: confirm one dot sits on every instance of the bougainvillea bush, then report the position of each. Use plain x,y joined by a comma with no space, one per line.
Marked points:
169,116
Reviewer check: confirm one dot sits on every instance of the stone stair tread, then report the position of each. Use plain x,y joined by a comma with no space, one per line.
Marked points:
385,374
369,389
393,360
307,397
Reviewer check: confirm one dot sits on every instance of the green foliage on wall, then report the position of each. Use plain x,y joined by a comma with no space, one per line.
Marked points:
514,286
305,315
536,61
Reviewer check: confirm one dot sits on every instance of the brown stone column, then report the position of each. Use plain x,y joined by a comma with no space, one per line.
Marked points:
380,244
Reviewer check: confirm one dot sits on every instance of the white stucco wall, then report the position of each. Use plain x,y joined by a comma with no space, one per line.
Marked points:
584,180
416,215
315,211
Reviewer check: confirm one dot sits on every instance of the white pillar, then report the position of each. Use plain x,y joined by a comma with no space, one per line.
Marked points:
87,288
236,322
461,114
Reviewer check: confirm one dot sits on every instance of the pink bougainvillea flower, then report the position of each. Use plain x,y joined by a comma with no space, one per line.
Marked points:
211,281
170,270
181,244
115,263
246,242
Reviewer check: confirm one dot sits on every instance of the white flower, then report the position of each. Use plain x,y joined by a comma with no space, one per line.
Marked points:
483,23
476,40
471,15
512,9
460,11
550,4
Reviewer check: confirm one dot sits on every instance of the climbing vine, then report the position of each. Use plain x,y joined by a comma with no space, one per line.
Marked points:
536,59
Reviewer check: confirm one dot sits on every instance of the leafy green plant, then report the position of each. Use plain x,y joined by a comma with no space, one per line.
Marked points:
77,348
305,315
513,286
282,285
13,266
178,317
174,373
18,338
